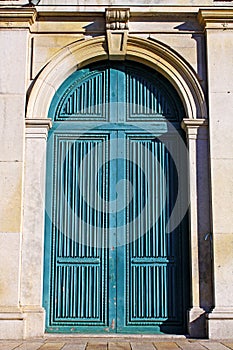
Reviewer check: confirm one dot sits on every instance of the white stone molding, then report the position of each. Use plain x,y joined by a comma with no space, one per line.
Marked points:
33,226
37,128
21,17
196,315
149,52
219,19
117,32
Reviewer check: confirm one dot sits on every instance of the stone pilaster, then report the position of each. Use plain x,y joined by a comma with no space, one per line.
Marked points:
218,25
196,315
33,226
14,28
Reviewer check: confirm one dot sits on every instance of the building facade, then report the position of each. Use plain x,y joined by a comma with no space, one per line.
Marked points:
116,168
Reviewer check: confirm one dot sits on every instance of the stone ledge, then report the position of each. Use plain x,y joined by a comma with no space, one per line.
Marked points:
38,123
216,18
220,314
22,17
37,128
11,316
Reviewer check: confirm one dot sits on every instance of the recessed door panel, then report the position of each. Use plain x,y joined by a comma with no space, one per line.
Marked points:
79,225
113,261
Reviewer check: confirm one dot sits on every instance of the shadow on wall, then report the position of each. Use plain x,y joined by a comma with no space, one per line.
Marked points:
195,31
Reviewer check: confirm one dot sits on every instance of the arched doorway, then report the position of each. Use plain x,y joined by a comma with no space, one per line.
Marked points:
114,259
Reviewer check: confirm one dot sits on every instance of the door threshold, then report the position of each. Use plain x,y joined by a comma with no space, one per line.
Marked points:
114,335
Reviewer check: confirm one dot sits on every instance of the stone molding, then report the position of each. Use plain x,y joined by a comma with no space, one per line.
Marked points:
159,57
37,128
117,32
221,313
192,127
149,52
220,323
22,17
26,321
216,18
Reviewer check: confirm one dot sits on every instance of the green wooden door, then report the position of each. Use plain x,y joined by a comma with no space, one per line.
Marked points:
113,260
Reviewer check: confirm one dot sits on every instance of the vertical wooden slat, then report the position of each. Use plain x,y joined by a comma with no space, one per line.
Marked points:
134,183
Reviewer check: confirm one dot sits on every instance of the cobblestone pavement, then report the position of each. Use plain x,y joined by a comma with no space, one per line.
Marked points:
114,343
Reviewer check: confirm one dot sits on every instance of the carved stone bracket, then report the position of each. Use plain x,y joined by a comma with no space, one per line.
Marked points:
117,32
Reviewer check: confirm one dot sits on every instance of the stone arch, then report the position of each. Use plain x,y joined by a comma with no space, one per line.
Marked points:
146,51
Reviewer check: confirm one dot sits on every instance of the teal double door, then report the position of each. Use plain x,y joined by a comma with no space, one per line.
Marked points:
114,260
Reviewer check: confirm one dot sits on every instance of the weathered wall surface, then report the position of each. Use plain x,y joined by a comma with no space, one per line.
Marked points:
181,32
219,36
13,71
31,39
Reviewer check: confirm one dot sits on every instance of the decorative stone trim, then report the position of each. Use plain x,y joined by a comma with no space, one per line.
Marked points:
37,128
148,52
196,315
11,312
220,323
117,32
192,126
117,18
216,18
221,313
22,17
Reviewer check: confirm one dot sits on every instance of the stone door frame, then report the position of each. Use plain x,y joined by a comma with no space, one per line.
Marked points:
77,55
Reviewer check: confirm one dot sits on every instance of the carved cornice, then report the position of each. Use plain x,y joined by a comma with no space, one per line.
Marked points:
17,17
216,18
192,127
194,123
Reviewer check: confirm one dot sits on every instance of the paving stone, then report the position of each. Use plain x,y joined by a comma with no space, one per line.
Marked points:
166,346
52,346
214,345
29,346
192,345
75,346
142,346
119,346
115,344
9,345
96,346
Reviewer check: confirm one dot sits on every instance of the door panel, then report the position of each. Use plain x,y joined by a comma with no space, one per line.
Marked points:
148,251
151,255
86,97
112,264
79,239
